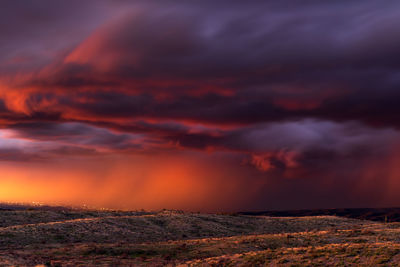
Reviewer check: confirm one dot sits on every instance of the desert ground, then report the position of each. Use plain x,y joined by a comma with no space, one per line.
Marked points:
57,236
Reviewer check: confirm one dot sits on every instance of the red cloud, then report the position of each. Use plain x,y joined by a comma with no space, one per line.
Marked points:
271,160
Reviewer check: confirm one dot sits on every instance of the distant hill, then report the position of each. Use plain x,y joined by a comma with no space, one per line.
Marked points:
373,214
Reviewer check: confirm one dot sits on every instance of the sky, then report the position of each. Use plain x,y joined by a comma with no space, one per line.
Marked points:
200,105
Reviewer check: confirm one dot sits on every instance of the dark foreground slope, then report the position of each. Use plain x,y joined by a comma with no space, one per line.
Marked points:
69,237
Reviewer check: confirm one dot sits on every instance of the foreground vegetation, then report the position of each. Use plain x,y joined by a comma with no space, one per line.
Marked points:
68,237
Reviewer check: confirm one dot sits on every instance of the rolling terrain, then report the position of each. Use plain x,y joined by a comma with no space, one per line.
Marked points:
373,214
58,236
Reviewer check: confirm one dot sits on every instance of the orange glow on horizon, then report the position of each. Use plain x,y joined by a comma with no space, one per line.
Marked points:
149,183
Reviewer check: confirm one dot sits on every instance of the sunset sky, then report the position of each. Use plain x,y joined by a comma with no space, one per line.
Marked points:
200,105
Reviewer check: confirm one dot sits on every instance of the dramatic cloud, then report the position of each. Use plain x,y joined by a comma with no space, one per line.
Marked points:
298,101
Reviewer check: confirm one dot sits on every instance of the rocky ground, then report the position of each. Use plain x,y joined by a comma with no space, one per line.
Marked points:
71,237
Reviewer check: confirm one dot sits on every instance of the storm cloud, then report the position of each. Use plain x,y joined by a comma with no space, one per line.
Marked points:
297,94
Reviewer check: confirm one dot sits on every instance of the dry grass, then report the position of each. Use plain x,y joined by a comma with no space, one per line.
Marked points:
106,238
